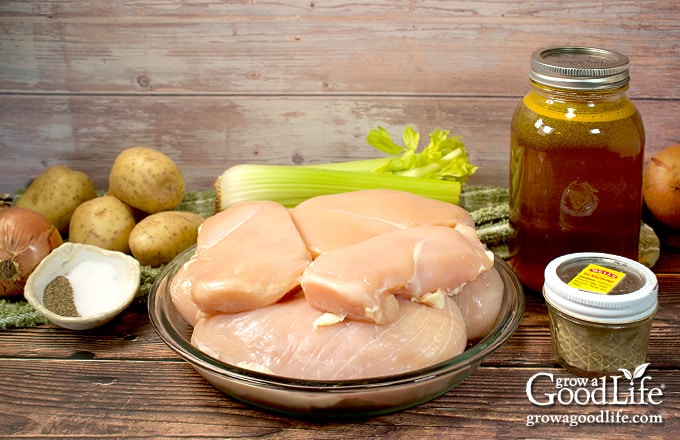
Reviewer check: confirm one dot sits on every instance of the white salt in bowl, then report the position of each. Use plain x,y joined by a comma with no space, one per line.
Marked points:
104,283
340,399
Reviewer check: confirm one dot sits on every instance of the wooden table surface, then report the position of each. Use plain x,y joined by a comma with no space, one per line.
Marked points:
121,381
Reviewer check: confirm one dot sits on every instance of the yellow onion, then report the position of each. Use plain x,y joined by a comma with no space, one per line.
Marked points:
26,237
661,190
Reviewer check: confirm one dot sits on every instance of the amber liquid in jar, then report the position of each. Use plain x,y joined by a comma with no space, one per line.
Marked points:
576,177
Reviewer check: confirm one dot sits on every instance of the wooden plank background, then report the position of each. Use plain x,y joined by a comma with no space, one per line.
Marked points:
214,83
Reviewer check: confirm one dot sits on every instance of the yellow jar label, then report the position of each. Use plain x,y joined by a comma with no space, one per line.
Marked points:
581,112
597,279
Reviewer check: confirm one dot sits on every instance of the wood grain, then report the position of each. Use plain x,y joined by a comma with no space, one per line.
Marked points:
303,47
152,399
207,134
213,84
121,380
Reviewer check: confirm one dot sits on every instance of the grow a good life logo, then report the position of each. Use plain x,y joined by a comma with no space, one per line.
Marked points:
618,399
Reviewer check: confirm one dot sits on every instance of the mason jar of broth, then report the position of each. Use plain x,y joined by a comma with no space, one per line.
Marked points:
576,161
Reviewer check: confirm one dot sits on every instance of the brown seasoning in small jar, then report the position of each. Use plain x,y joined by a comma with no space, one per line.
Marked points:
601,308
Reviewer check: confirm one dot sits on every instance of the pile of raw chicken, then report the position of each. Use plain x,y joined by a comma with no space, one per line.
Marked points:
347,286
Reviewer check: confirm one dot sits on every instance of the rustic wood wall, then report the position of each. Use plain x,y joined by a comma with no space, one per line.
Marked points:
214,83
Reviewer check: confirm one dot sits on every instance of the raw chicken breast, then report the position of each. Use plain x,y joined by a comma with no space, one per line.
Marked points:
282,339
333,221
247,256
480,303
422,263
180,293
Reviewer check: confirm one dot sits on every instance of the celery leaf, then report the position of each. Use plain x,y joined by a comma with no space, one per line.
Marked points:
381,139
444,157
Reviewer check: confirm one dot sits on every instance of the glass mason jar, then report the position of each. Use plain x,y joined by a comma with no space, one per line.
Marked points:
601,308
576,161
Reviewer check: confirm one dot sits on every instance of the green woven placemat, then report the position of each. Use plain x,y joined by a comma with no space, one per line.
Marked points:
488,206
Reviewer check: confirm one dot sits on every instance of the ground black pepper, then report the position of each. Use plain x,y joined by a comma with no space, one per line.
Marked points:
58,297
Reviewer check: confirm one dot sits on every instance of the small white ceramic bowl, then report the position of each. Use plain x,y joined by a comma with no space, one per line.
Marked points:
63,260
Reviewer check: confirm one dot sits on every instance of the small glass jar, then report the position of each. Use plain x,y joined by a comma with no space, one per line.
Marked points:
576,162
601,308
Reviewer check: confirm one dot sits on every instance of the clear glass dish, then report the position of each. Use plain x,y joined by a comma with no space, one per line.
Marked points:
331,399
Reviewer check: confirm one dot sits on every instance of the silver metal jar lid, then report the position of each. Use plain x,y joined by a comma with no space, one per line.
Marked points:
579,68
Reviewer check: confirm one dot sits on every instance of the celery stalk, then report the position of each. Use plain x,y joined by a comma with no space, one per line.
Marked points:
437,172
291,185
369,165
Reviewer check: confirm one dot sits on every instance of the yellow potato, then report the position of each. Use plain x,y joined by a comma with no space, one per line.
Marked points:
56,193
146,179
160,237
105,222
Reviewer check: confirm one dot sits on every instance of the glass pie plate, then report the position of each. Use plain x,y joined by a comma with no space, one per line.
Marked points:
331,399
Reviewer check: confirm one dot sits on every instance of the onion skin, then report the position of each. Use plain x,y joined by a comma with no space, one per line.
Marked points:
26,237
661,189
